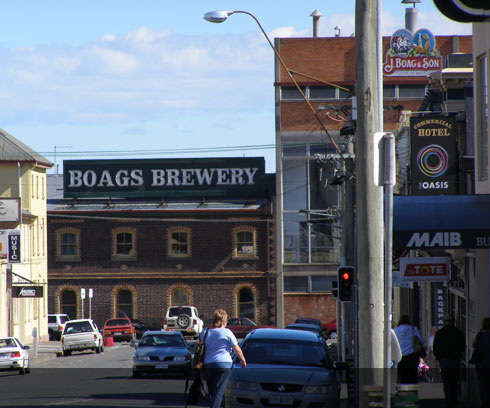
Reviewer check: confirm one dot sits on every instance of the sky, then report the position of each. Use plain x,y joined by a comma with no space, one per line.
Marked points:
115,79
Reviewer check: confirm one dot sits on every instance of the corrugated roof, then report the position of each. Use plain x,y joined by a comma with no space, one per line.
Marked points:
12,149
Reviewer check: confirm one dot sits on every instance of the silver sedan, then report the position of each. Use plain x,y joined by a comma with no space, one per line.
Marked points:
162,352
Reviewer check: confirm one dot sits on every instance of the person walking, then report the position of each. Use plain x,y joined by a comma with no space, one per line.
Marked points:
481,344
218,346
409,363
449,346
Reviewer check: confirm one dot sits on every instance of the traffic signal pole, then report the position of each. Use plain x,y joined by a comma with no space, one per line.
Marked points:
369,203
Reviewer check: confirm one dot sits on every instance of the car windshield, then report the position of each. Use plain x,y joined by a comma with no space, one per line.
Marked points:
177,311
7,343
117,322
290,352
78,327
159,340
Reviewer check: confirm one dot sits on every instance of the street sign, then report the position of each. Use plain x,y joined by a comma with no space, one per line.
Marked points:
82,293
425,269
90,293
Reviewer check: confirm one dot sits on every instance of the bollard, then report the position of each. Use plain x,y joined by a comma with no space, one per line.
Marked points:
407,396
372,396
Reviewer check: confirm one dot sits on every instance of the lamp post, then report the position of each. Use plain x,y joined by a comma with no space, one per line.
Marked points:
219,16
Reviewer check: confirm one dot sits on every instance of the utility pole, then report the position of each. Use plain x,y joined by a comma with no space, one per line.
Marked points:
369,202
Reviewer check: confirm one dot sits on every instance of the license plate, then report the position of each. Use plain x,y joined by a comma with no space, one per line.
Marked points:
283,400
161,365
118,333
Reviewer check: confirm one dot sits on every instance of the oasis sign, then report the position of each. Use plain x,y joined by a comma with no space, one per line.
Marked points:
223,177
433,155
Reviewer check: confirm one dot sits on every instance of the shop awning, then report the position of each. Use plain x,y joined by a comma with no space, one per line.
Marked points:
446,221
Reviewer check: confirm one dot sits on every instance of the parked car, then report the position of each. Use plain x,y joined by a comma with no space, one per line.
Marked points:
308,327
284,368
120,328
140,327
80,335
309,320
162,352
330,329
241,326
56,324
184,319
13,355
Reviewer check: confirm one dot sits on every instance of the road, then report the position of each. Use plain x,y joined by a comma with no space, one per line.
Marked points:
90,380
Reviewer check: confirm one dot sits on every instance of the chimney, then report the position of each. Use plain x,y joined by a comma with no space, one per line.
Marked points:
411,15
316,20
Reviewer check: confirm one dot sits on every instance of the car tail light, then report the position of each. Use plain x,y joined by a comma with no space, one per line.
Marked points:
60,327
106,332
194,322
95,336
15,354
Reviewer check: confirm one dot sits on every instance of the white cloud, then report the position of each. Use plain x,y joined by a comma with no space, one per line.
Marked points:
115,62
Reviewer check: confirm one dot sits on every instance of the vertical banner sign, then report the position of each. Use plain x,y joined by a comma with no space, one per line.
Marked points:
14,246
439,304
433,155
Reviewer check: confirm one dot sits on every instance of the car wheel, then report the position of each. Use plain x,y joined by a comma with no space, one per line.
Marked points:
28,370
184,321
66,353
51,335
136,374
97,350
22,370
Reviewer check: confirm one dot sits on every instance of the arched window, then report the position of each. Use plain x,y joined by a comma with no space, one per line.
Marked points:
124,243
69,303
124,304
180,296
244,242
246,303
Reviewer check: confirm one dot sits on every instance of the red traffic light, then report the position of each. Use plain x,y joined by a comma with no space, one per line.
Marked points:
345,279
345,276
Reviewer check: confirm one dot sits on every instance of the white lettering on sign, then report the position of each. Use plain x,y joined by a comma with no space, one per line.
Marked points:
437,239
483,242
27,292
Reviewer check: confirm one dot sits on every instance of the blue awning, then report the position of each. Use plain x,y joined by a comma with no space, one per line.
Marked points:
446,221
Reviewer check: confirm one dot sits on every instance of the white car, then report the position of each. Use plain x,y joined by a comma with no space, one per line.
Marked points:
80,335
184,319
13,355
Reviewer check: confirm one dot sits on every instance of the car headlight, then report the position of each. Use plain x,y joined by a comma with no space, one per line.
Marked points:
179,358
244,385
319,389
141,358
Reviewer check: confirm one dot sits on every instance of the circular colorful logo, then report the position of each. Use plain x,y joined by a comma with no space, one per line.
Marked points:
432,160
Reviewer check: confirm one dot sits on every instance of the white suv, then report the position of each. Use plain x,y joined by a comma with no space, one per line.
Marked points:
184,319
56,324
81,334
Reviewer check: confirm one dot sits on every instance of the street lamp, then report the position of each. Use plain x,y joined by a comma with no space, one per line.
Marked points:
219,16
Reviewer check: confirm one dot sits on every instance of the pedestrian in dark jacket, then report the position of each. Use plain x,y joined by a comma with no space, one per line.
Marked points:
449,346
482,346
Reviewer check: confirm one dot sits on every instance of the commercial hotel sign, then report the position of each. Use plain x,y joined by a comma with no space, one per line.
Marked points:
202,177
433,155
412,54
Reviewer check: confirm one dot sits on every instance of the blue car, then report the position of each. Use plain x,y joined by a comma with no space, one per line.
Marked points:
284,368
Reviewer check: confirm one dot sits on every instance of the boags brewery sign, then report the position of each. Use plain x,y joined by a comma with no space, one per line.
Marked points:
412,55
433,155
200,177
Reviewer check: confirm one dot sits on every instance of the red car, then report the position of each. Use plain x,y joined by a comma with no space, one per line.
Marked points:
241,326
120,328
330,329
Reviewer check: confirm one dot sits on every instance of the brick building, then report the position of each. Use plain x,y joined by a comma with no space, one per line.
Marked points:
309,197
204,237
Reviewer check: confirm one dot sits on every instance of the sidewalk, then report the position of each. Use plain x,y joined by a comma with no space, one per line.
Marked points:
44,351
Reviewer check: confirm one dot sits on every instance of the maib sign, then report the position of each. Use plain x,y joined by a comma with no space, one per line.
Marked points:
425,269
223,177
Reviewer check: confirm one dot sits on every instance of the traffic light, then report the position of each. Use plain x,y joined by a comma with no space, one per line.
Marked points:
345,279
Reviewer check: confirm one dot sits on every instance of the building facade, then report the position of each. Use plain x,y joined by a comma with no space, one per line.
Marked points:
315,165
23,246
142,235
